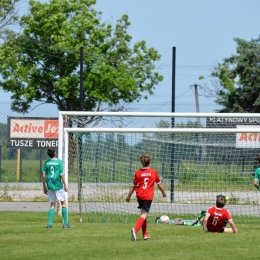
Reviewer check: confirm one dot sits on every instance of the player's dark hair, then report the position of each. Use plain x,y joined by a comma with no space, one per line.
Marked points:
51,152
145,159
220,201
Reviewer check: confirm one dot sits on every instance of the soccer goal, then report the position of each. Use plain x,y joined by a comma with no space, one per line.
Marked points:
197,155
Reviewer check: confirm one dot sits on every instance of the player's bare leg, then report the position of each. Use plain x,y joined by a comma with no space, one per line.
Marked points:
228,230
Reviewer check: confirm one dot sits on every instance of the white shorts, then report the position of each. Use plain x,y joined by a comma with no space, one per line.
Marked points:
56,194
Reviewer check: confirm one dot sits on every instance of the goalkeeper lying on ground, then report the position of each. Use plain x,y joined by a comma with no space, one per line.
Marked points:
198,222
178,221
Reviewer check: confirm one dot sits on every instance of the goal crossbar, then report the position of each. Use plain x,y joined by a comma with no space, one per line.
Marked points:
154,114
157,114
162,130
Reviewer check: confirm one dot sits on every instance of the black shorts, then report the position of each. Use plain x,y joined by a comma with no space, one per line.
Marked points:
144,205
221,231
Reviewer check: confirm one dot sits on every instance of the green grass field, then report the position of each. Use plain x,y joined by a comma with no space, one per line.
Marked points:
23,236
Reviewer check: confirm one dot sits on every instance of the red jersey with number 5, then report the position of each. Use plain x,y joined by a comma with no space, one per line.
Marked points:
144,181
217,218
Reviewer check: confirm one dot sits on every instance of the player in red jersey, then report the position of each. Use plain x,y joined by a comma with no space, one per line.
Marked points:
217,217
143,185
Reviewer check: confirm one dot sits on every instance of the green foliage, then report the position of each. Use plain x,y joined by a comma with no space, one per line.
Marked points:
189,124
3,134
26,154
5,193
163,124
8,15
239,80
26,230
42,63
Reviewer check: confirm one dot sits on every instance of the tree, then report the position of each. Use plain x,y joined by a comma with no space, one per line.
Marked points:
121,141
3,133
164,137
42,63
8,15
237,79
163,124
189,124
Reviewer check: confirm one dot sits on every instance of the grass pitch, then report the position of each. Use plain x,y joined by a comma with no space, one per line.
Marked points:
23,235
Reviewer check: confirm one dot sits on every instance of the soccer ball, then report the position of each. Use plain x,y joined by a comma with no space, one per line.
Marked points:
164,219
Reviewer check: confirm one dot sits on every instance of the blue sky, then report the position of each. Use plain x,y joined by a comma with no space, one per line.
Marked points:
202,32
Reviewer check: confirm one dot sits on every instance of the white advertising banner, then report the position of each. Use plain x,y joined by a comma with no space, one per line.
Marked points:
28,132
248,140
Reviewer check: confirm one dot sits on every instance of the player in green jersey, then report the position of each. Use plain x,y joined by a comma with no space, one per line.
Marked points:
54,185
257,173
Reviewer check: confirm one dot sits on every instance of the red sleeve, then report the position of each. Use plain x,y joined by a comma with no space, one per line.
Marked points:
228,216
157,179
136,179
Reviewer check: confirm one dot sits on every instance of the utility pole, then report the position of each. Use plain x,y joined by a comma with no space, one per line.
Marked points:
173,124
201,149
81,50
197,102
80,124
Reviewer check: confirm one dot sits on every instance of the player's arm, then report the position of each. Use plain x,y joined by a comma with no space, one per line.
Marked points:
256,184
64,182
256,178
45,191
205,220
131,191
161,188
233,226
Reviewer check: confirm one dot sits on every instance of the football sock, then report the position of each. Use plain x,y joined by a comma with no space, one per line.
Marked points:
144,226
64,212
50,216
139,224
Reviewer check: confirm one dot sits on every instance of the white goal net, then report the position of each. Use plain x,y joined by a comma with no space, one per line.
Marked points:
198,156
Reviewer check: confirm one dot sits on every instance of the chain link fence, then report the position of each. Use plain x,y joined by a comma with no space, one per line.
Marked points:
20,180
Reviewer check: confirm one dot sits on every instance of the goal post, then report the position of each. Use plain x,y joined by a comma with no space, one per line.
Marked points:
196,160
